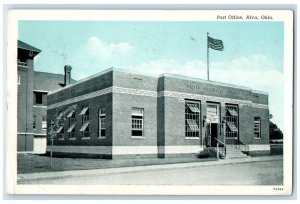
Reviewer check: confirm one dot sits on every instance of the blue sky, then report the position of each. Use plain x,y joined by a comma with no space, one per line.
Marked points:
252,56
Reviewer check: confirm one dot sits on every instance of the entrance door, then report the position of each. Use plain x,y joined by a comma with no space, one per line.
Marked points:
214,134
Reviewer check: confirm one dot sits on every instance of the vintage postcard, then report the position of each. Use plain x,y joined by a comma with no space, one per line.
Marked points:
150,102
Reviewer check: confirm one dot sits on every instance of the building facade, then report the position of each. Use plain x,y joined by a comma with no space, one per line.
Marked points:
126,115
33,88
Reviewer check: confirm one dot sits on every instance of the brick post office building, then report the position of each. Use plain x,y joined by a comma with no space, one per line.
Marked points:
121,114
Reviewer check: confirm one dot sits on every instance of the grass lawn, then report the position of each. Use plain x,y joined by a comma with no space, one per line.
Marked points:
30,163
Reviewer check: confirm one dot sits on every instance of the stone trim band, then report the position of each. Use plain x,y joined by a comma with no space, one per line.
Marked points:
140,92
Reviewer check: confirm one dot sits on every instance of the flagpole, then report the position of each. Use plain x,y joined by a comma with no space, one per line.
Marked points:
207,58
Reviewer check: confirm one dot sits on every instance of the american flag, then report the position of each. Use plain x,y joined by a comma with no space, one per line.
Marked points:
215,44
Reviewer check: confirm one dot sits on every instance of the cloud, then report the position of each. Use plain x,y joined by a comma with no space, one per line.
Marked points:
99,48
256,71
95,55
241,71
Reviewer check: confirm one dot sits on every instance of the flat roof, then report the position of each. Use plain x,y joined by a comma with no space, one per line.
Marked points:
113,69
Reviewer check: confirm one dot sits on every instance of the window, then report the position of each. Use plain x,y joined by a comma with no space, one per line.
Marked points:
44,122
137,115
39,98
72,122
34,122
85,130
102,115
19,79
44,125
71,116
71,132
231,122
85,122
192,119
257,123
60,132
85,114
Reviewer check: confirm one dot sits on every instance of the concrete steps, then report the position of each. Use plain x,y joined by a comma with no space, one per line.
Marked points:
233,152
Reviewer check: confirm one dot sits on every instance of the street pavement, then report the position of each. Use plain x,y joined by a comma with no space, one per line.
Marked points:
266,170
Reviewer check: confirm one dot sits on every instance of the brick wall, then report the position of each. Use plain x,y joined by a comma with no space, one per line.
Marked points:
39,112
123,142
22,99
94,105
134,81
25,107
174,110
161,120
122,108
97,82
246,123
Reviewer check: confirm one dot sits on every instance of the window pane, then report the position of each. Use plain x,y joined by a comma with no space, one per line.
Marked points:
102,132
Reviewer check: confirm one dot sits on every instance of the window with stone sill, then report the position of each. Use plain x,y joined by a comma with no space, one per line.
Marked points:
192,119
137,122
257,127
102,123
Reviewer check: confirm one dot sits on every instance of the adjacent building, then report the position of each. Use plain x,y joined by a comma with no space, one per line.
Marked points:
127,115
33,88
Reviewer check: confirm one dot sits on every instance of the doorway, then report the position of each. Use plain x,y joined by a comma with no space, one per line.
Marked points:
214,134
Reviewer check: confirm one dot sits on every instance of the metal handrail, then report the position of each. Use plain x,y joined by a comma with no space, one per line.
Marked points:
222,150
220,141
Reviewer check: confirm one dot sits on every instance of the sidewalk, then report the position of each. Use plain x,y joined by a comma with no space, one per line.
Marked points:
78,173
